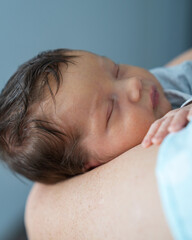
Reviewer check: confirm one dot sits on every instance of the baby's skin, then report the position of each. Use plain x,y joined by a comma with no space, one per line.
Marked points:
173,121
112,104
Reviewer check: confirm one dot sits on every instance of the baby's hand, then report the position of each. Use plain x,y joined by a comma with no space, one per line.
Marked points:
173,121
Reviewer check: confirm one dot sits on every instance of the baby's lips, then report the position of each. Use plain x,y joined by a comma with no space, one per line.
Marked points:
154,97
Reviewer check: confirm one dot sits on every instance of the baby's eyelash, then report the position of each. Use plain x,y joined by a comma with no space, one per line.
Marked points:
110,110
117,72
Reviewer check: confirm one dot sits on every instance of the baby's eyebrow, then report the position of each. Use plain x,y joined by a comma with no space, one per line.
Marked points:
106,60
104,57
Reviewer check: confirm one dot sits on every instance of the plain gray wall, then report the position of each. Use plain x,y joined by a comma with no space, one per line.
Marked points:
147,33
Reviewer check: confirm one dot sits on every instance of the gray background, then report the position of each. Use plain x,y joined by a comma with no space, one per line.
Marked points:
146,33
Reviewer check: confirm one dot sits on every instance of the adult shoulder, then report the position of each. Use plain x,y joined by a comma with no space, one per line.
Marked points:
118,200
187,55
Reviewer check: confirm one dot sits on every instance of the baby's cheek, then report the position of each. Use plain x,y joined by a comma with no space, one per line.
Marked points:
142,128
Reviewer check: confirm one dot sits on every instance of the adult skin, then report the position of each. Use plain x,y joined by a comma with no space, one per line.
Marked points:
116,201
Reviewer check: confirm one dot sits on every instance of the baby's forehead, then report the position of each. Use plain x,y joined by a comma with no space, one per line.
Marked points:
63,102
86,62
81,55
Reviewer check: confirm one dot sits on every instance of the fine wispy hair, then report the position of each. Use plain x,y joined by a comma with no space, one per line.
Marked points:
30,143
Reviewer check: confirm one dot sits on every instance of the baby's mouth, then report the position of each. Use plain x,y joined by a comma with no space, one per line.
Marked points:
154,97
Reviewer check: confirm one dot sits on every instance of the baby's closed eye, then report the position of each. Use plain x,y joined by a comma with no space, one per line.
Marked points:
110,110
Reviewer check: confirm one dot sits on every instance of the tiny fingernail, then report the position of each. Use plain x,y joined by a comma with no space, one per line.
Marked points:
156,139
170,128
145,143
173,128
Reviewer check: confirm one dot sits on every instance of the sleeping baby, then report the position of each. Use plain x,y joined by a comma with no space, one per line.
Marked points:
65,112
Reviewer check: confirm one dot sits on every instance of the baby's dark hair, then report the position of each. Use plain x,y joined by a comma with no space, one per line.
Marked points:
30,143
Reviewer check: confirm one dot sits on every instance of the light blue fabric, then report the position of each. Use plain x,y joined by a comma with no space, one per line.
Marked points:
176,82
174,177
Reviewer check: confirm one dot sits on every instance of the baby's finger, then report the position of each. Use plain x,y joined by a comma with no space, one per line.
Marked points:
162,131
179,121
189,116
151,132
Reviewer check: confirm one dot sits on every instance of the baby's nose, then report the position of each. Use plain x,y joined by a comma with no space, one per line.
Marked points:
134,89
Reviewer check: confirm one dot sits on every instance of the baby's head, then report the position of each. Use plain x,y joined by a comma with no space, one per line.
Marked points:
65,112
